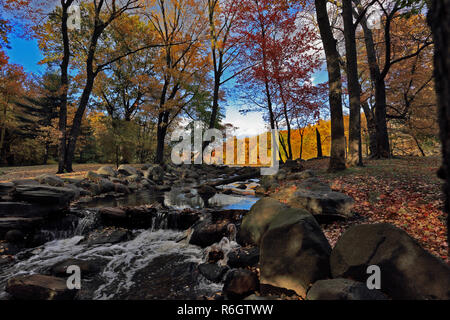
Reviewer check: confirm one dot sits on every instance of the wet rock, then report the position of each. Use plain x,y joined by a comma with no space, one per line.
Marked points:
130,218
243,257
27,210
39,287
26,225
407,270
6,188
256,222
113,217
342,289
165,277
215,256
154,173
51,180
127,170
86,267
15,236
182,220
44,194
11,249
294,252
313,184
107,235
106,186
107,171
212,271
206,191
207,233
121,188
240,283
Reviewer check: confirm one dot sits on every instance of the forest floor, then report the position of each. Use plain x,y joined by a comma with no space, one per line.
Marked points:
404,191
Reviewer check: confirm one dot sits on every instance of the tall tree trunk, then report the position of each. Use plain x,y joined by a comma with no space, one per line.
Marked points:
301,145
163,119
353,157
337,161
3,130
439,20
371,128
62,123
382,137
319,144
76,124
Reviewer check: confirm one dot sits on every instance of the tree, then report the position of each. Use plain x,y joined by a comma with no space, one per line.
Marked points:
354,156
39,113
11,87
91,57
178,68
337,160
379,68
439,20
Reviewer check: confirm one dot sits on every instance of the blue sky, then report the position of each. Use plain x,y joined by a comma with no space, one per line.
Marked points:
26,53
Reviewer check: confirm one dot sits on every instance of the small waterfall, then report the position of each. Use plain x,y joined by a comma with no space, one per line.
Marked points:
87,223
160,220
226,245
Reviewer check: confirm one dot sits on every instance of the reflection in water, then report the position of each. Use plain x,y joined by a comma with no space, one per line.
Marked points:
177,199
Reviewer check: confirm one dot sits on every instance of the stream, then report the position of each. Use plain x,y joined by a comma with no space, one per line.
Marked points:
156,264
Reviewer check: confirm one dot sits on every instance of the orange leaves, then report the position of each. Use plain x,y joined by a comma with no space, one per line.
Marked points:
411,201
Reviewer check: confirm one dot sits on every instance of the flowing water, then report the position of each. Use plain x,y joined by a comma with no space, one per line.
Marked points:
155,264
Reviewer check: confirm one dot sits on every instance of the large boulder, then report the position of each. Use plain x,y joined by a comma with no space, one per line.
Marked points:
128,170
39,287
107,171
256,222
44,194
294,252
343,289
51,180
322,202
240,283
407,270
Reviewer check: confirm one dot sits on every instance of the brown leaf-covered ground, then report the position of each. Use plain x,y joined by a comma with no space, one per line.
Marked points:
404,191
